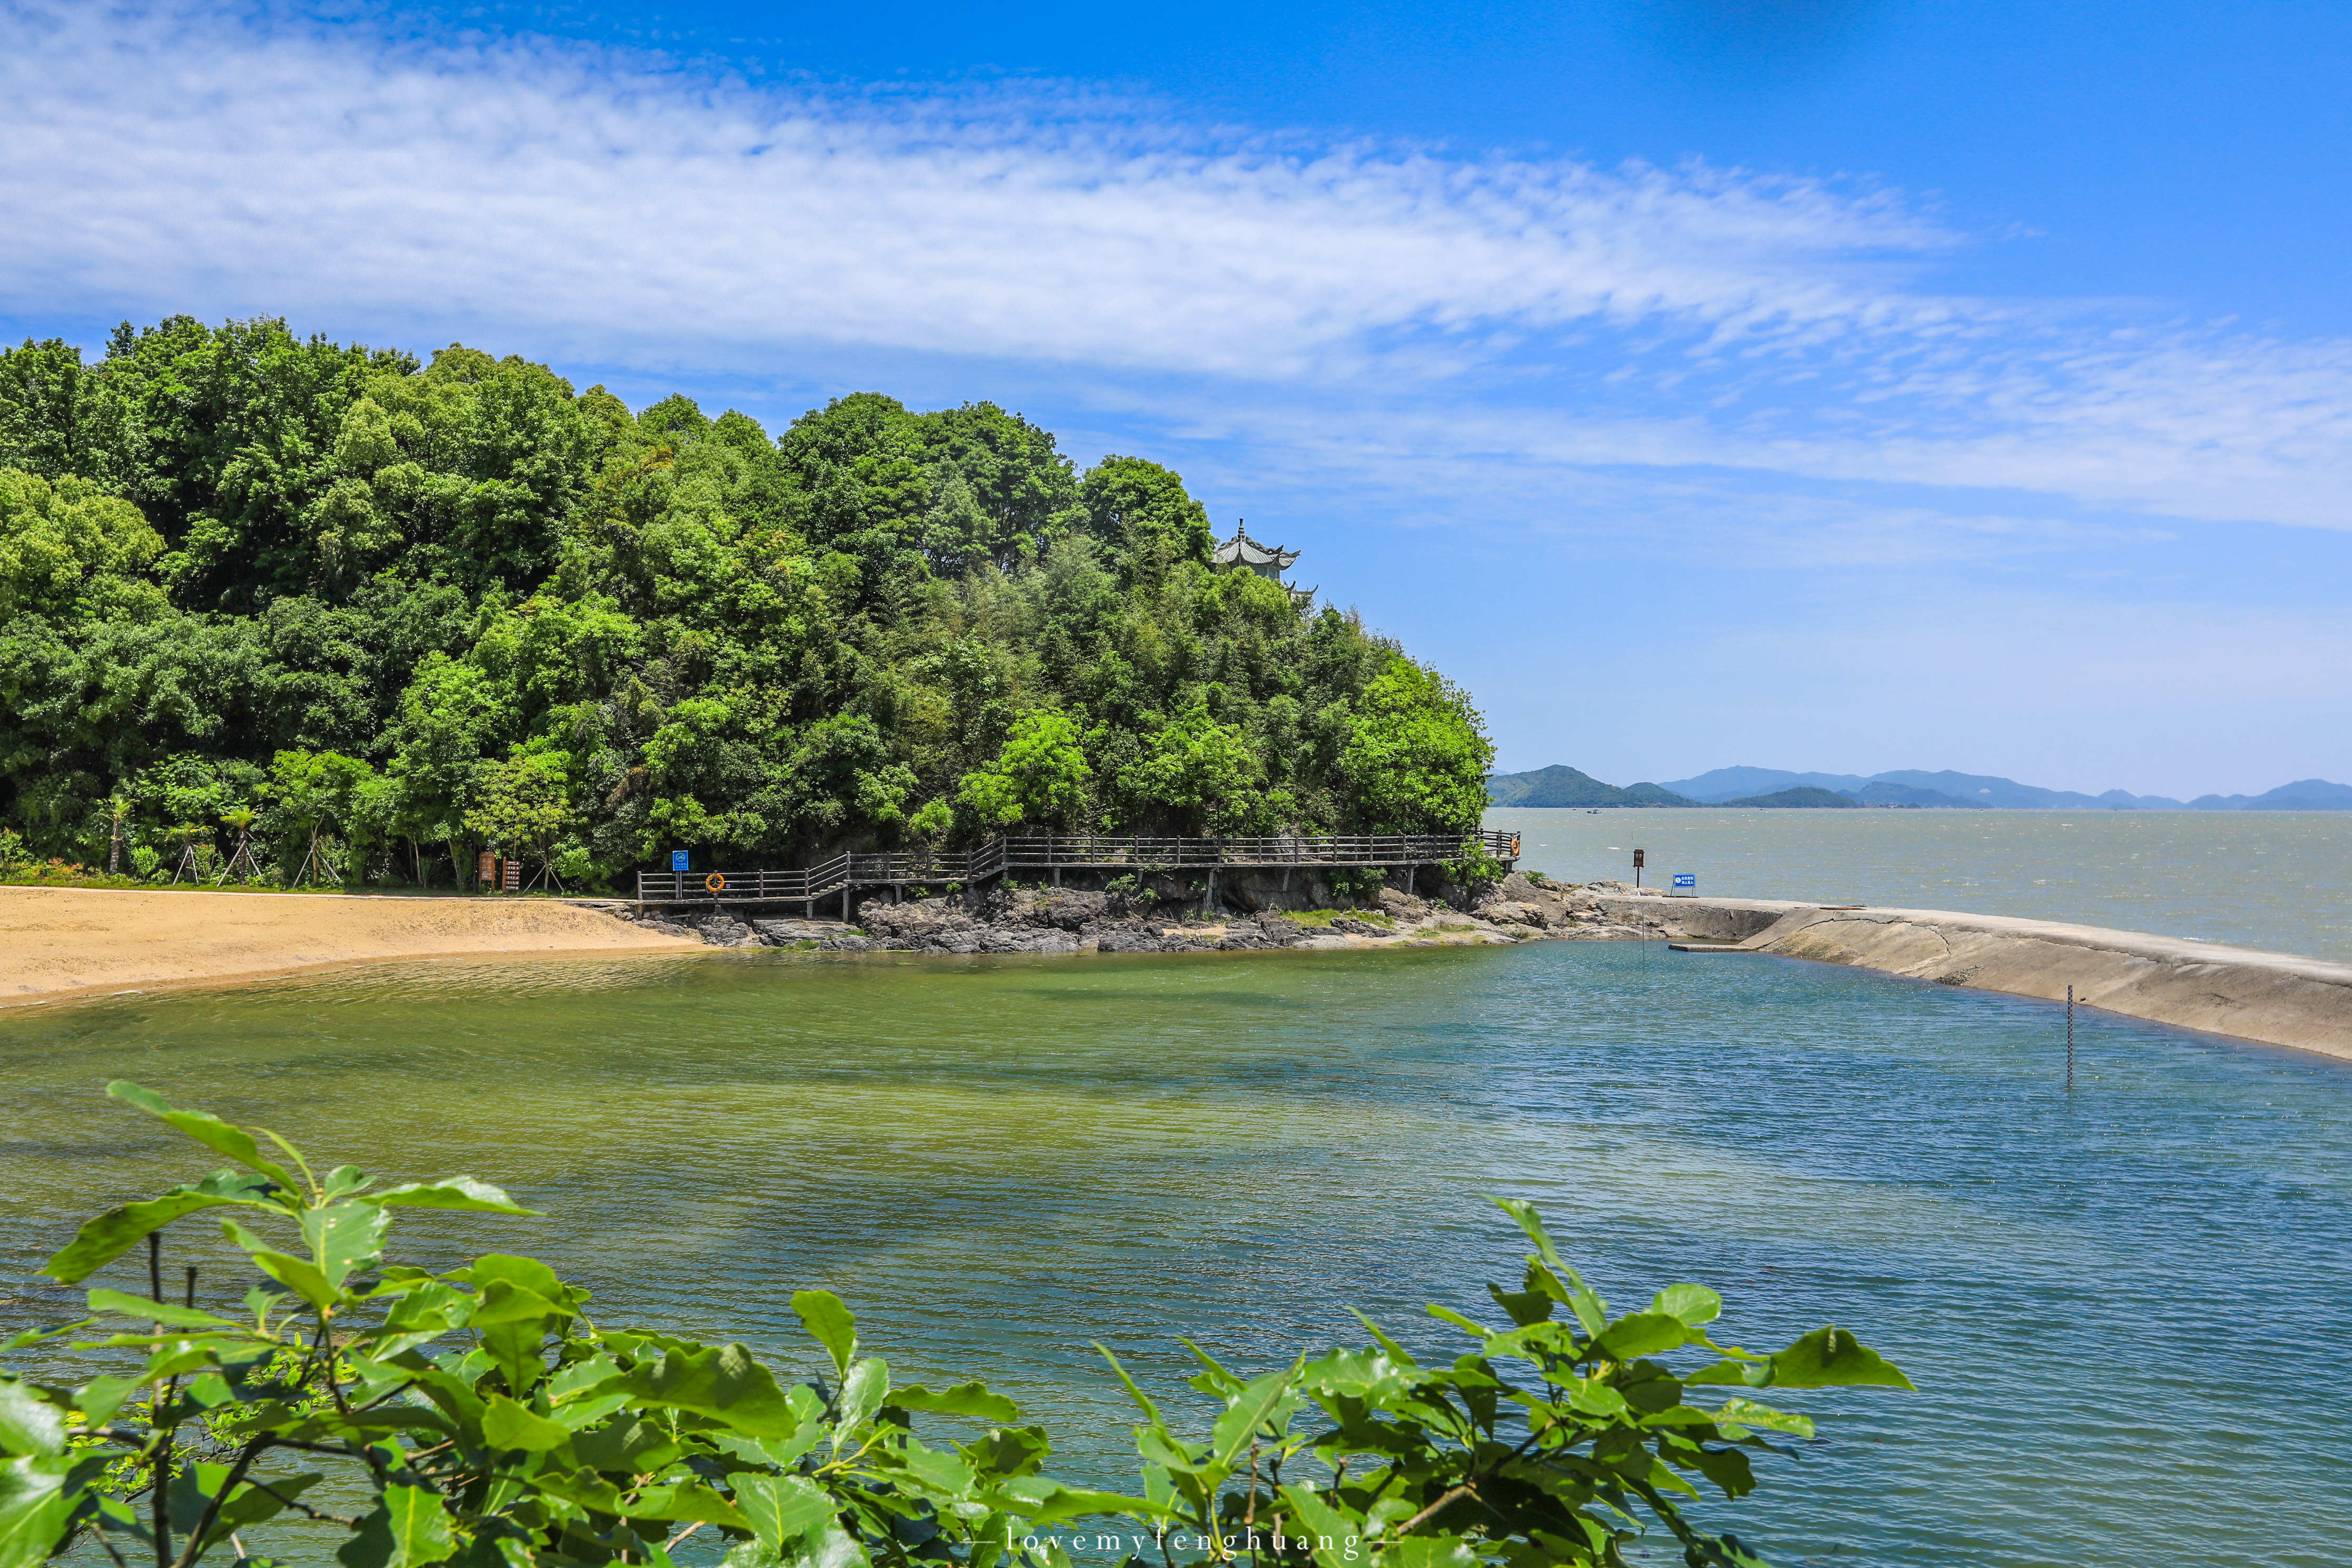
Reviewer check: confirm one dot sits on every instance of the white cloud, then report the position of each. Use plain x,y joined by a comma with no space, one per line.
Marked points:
1548,315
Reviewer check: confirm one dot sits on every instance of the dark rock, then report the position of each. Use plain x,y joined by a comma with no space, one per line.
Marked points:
786,932
721,930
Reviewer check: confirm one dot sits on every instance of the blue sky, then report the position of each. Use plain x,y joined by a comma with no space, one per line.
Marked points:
1820,385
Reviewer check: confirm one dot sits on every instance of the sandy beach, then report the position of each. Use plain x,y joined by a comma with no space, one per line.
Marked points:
61,941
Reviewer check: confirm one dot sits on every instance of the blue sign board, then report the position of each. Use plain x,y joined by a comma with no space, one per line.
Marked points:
678,860
1686,879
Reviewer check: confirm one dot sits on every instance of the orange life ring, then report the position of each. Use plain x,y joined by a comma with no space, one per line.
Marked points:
715,882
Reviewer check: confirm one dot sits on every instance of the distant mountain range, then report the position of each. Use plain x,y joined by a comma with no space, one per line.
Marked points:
1558,786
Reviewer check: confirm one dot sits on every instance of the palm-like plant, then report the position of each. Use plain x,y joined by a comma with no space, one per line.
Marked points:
241,818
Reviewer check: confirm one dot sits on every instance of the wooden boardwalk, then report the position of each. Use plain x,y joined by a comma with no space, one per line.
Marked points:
1057,852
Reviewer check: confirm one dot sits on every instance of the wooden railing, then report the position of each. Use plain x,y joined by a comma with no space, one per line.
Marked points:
1056,851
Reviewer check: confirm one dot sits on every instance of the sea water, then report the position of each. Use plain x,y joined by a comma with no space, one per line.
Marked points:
2124,1306
2280,880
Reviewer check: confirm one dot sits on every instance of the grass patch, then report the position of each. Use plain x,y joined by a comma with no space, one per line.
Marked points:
1323,918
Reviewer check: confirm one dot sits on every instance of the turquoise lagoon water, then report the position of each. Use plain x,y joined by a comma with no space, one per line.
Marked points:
2274,879
2125,1307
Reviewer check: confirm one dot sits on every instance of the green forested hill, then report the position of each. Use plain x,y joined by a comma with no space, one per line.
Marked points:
423,608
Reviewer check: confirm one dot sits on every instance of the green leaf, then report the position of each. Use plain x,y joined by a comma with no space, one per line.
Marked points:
862,1393
344,1237
1265,1401
1214,1380
781,1509
34,1508
504,1302
1832,1358
139,1307
1590,1310
685,1502
507,1424
1134,1392
1751,1372
1529,1220
1369,1375
946,1474
795,1525
450,1192
100,1397
963,1399
1324,1523
1049,1502
419,1525
206,1129
830,1323
101,1240
725,1383
1747,1412
299,1275
1523,1307
1595,1397
1694,1304
343,1182
528,1273
1428,1551
29,1424
1641,1335
1447,1314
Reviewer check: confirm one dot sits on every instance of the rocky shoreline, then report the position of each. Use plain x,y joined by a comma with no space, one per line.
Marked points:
1066,921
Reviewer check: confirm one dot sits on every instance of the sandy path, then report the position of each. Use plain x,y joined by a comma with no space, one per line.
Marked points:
55,942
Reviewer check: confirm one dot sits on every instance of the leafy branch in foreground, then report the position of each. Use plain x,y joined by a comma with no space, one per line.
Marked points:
483,1420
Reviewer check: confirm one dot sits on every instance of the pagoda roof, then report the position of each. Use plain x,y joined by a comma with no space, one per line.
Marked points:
1240,550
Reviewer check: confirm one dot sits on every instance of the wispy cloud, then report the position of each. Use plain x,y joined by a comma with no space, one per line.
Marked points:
1549,314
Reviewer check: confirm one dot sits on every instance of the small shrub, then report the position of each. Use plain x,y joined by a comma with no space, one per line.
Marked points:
1477,868
1130,892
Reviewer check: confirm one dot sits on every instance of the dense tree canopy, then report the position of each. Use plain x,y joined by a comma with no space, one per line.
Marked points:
425,607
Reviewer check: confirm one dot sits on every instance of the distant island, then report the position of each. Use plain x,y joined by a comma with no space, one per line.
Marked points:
1903,788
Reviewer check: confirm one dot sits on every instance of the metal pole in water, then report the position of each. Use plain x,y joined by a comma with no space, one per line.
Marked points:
2070,1039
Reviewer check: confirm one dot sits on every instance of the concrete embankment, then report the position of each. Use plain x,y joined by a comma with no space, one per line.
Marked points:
2273,997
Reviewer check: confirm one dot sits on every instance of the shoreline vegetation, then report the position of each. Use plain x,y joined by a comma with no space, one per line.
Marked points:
482,1415
308,613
